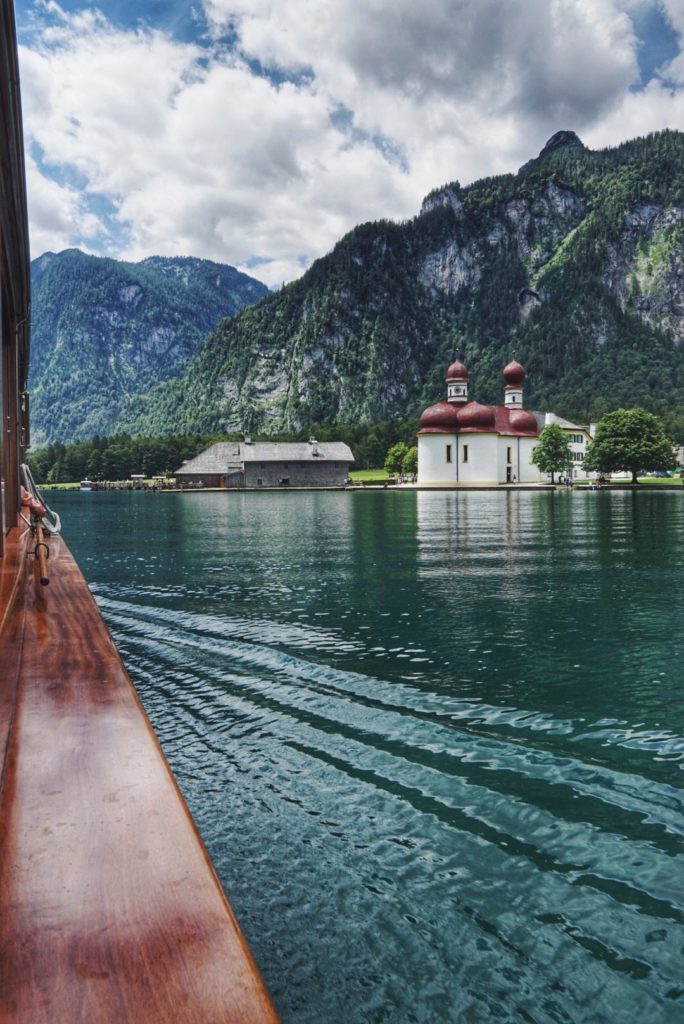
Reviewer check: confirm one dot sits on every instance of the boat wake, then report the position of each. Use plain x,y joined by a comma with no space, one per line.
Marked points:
441,819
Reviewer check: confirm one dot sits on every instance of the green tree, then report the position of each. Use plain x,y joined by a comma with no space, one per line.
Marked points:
631,440
409,465
150,461
55,473
394,459
116,462
94,465
553,453
39,463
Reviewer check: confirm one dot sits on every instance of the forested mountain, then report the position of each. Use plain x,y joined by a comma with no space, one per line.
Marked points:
574,265
104,332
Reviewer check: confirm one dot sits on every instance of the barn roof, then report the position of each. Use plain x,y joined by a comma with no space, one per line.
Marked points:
296,451
214,460
230,456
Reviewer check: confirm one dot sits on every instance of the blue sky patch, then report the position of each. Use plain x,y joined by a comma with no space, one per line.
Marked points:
658,44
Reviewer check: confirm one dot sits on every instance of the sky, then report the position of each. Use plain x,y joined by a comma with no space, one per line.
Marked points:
257,132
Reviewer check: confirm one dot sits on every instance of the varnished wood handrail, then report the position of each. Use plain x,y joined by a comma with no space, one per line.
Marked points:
42,554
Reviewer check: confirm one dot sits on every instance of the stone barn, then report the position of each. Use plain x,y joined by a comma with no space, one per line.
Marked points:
257,464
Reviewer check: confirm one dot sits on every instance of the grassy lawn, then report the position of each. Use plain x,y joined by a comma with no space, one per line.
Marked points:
369,476
660,480
59,487
669,480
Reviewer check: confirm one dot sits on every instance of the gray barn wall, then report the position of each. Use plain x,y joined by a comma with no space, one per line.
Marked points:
300,474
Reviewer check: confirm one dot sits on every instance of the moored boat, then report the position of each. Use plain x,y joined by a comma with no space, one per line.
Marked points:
110,908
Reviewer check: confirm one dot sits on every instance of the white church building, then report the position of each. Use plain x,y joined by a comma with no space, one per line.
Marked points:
462,443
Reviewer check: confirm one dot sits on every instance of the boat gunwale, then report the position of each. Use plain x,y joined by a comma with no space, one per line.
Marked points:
161,922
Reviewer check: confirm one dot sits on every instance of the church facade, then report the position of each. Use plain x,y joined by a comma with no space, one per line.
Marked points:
462,443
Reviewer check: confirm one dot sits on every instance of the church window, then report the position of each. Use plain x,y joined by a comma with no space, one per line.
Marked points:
465,452
509,458
448,453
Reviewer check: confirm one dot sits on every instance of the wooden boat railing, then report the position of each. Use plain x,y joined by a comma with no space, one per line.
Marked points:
42,553
110,909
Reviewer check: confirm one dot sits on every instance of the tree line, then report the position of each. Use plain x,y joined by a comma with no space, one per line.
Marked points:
627,439
121,456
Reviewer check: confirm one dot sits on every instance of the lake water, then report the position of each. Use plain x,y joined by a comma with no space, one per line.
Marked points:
433,741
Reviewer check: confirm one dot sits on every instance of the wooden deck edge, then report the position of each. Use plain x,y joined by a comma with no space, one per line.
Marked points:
12,581
110,907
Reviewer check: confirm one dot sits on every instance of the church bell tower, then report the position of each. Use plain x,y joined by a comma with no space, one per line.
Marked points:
513,375
457,383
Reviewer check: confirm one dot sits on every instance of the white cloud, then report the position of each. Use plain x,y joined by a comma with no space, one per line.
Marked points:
202,158
659,105
674,11
381,103
532,57
59,217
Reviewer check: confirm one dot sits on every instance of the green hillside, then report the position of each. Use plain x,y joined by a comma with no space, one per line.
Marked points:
104,332
575,265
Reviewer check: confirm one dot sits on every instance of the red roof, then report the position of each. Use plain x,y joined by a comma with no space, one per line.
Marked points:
514,374
440,419
457,371
515,421
471,418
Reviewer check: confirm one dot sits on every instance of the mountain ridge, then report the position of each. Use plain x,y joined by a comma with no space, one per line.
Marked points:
105,331
576,263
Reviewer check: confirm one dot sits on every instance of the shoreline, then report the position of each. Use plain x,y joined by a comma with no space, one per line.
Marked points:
395,488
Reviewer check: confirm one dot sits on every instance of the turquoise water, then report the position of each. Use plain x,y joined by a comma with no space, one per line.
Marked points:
433,742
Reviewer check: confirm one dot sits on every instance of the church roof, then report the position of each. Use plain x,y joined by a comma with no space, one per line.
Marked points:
514,374
458,417
473,418
457,371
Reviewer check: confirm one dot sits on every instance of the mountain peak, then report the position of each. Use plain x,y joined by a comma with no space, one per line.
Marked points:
559,140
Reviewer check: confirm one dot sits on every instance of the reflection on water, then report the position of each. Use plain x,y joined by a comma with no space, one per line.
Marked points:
433,741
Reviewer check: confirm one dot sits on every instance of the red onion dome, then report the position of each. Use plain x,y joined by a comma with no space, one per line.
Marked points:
440,417
457,371
522,420
514,374
474,416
